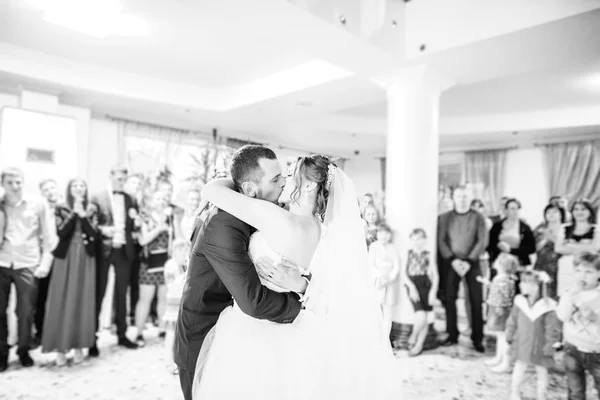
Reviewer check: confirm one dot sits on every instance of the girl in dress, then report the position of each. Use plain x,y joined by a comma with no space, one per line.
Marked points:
500,301
421,280
174,279
70,308
155,238
386,263
532,330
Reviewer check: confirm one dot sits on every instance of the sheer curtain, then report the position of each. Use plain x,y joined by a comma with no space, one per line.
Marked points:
189,157
573,170
487,169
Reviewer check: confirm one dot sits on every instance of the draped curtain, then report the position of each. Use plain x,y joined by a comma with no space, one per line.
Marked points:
573,170
487,170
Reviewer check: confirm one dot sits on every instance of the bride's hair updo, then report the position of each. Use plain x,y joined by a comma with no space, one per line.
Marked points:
315,168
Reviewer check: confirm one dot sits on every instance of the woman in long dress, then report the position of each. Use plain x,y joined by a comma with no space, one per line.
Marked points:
316,357
70,308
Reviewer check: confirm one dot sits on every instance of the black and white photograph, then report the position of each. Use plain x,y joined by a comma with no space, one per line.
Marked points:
299,199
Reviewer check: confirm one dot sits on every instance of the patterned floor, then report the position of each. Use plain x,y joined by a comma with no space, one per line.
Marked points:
444,373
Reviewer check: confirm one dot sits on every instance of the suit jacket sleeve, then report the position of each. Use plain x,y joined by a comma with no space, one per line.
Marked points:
225,245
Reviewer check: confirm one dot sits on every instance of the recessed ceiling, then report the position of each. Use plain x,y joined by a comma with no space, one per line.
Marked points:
189,42
222,48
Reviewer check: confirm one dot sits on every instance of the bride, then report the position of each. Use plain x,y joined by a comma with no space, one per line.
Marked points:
336,348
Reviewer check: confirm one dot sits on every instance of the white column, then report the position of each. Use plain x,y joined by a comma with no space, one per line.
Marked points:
412,163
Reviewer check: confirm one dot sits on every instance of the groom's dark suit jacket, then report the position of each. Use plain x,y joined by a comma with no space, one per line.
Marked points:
220,268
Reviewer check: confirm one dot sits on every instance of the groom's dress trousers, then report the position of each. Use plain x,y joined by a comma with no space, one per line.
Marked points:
219,269
464,237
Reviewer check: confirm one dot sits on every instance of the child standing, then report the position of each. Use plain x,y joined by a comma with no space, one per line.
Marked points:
499,301
175,269
531,330
386,264
579,310
421,280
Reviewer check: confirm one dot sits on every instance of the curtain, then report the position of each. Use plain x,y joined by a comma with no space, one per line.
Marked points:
487,170
573,170
187,159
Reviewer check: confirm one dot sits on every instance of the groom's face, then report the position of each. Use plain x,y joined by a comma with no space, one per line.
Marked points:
271,184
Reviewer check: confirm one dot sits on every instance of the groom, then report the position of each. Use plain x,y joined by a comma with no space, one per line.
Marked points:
220,269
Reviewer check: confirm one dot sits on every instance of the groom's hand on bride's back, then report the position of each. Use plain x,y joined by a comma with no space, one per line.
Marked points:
282,273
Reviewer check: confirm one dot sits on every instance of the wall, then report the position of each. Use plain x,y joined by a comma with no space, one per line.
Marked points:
42,145
526,180
104,144
97,141
366,174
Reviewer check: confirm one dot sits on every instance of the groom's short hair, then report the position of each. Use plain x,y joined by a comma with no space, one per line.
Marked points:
245,166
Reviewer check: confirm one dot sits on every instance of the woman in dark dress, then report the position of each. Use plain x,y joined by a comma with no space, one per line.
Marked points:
546,236
512,235
70,308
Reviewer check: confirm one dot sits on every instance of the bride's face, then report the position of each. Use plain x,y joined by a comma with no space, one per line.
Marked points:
290,185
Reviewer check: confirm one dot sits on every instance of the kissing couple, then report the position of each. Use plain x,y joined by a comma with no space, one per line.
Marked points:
279,303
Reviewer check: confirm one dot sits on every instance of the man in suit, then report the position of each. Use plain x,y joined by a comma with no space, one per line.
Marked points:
220,269
117,212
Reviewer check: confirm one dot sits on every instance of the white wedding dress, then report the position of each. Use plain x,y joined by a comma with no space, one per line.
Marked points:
336,347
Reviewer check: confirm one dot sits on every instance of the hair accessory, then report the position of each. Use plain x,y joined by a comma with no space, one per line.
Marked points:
331,173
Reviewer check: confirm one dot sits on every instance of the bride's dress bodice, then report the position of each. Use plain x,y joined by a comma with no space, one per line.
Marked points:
258,248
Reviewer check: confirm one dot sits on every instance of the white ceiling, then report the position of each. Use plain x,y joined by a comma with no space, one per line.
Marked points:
201,53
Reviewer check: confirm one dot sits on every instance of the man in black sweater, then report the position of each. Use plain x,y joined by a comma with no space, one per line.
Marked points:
462,238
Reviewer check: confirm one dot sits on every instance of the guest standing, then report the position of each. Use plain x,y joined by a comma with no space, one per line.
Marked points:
155,239
71,302
578,237
546,236
385,262
579,310
421,281
532,329
25,255
48,190
371,218
366,201
116,214
462,238
512,235
133,187
188,219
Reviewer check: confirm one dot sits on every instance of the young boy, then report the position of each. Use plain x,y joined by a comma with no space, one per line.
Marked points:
579,309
